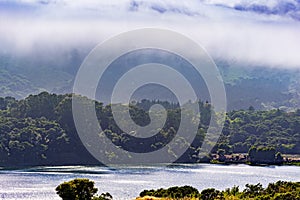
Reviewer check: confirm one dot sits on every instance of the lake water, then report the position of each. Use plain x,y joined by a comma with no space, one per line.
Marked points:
126,183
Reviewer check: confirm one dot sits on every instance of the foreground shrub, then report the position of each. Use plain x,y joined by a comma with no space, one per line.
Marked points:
80,189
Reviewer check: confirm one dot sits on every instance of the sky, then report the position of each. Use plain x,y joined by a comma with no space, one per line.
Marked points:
256,32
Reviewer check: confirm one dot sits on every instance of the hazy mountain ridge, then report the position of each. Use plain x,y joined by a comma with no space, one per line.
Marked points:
259,86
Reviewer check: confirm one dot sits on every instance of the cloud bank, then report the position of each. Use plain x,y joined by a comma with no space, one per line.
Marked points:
257,33
288,8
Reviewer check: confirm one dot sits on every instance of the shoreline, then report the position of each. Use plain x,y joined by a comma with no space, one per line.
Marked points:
242,158
75,166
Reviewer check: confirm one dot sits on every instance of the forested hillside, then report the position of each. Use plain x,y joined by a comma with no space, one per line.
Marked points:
39,130
263,87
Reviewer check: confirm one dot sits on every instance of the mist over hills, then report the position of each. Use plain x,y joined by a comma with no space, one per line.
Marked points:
260,86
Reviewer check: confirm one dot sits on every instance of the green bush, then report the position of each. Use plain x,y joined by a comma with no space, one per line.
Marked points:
80,189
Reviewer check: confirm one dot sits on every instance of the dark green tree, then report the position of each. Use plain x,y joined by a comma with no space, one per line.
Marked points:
221,155
210,193
253,190
77,189
262,155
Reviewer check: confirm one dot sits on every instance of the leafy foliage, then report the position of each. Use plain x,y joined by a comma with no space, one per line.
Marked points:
275,128
80,189
280,190
40,130
31,141
172,192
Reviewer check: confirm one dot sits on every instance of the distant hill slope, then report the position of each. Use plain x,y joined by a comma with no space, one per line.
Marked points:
260,86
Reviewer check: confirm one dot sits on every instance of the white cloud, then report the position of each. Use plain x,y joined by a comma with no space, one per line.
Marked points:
227,33
288,8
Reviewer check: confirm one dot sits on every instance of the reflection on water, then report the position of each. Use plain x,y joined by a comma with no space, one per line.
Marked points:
127,181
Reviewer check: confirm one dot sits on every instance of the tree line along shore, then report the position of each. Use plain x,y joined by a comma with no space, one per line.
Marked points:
40,130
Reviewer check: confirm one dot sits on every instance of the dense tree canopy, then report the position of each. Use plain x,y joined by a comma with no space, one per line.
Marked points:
40,130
